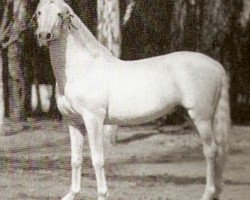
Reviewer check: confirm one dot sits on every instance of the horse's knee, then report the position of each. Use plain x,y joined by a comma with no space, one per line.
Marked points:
210,151
98,162
210,148
76,162
206,134
76,189
222,144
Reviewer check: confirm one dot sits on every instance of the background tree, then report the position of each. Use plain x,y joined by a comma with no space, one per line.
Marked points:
1,95
12,20
4,10
17,77
109,32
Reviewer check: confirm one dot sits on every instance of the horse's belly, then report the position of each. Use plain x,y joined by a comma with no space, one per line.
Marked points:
136,109
138,115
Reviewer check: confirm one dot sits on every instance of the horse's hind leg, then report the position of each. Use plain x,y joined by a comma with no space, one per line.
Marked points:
204,128
77,141
94,126
220,163
210,151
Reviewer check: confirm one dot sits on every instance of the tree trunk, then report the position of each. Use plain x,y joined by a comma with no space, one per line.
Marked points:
17,84
109,33
1,95
4,11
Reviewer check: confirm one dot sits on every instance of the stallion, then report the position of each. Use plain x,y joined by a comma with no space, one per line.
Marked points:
96,88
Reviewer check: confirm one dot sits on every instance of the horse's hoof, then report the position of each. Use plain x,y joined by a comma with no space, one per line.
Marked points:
69,196
103,196
213,198
114,143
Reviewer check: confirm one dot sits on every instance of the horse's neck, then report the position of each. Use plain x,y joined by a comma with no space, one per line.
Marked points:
70,57
57,51
85,37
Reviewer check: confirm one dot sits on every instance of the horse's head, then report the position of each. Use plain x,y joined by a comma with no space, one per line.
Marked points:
51,16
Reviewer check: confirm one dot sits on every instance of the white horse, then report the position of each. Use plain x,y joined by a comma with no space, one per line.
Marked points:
96,88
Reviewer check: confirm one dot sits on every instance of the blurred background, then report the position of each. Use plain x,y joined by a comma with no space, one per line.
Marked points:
131,29
35,152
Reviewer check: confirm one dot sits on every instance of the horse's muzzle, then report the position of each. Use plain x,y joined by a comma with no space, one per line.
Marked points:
43,38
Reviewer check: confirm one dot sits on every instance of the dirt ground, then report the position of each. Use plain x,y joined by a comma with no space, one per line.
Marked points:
145,164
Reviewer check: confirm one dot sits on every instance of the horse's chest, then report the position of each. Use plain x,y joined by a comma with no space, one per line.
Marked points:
65,106
86,94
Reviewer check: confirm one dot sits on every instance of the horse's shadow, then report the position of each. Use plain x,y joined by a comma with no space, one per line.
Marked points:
171,130
138,136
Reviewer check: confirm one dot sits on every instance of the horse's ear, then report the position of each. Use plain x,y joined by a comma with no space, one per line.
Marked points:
67,15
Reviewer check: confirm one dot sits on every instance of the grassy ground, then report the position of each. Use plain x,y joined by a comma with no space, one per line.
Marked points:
145,164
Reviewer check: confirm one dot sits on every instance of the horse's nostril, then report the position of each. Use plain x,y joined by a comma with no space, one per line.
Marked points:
39,35
48,36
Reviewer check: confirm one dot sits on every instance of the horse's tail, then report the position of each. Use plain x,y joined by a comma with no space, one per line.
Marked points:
222,121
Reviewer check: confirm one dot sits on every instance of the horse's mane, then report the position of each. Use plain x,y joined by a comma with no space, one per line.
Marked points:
86,37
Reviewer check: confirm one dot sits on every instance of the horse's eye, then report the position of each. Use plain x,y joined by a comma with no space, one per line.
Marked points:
59,14
39,12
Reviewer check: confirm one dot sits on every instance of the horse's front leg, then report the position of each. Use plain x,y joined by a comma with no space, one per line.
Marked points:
94,126
77,140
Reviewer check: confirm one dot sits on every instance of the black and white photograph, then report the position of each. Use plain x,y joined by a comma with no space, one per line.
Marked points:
125,99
